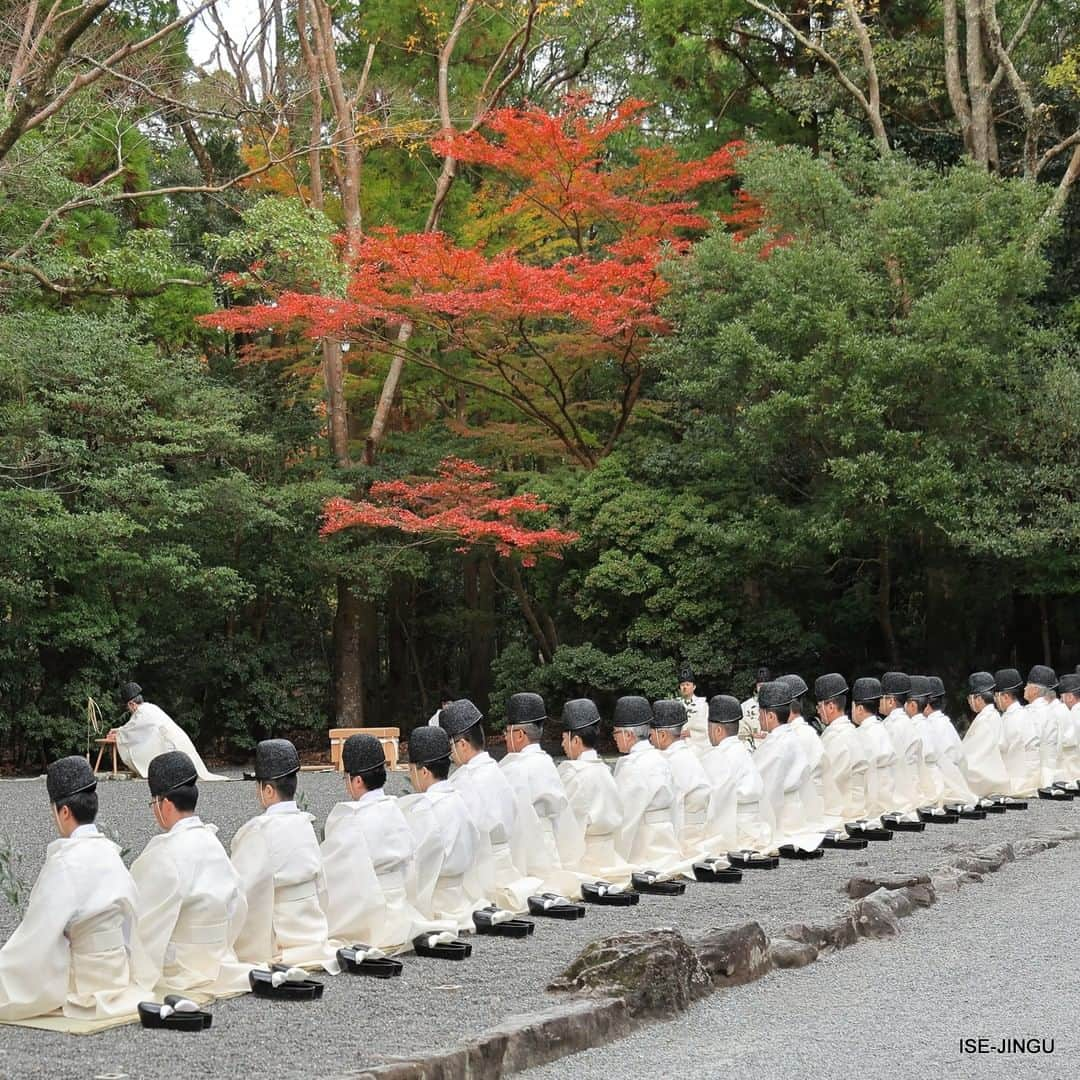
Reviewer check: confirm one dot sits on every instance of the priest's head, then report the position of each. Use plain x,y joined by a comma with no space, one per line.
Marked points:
865,699
830,692
980,691
364,763
774,704
918,696
1069,689
276,767
1007,687
525,716
72,789
937,694
725,715
687,682
462,721
581,720
1041,682
895,687
173,788
667,723
631,722
797,685
131,696
429,756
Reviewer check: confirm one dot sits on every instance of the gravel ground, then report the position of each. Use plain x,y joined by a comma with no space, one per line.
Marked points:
434,1005
997,961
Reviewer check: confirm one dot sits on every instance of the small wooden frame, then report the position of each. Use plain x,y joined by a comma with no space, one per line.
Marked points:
388,736
102,744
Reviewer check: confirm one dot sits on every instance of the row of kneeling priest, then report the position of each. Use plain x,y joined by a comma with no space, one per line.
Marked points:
189,917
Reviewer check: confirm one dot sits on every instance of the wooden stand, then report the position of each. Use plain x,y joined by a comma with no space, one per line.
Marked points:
102,744
388,736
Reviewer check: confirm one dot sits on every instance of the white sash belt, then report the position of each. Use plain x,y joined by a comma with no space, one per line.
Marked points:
392,879
100,942
656,817
287,894
209,934
697,817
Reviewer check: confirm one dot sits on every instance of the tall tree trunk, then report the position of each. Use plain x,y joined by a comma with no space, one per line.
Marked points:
398,612
348,663
1044,630
480,600
884,603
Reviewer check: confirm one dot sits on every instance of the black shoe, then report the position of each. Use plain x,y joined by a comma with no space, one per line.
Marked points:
710,870
275,983
745,859
603,892
180,1014
791,851
900,824
650,882
355,960
430,946
496,923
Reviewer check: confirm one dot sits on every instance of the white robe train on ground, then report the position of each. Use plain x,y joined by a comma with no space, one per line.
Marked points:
151,731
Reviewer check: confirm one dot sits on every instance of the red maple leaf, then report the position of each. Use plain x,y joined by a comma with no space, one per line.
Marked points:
461,505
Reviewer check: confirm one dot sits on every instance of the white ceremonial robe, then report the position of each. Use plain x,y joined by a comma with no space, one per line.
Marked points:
950,756
750,724
72,952
844,771
1049,717
1020,750
742,817
189,914
560,845
881,767
813,797
694,792
509,823
387,916
277,857
456,874
648,839
151,731
785,772
1062,767
1072,744
598,809
907,743
983,762
931,783
697,722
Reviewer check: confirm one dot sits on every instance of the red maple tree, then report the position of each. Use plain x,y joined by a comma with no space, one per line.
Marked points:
551,313
460,504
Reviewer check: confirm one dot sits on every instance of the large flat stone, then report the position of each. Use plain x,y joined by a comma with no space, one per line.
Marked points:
656,972
734,955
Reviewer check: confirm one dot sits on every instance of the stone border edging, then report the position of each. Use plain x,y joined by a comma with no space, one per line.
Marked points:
621,980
